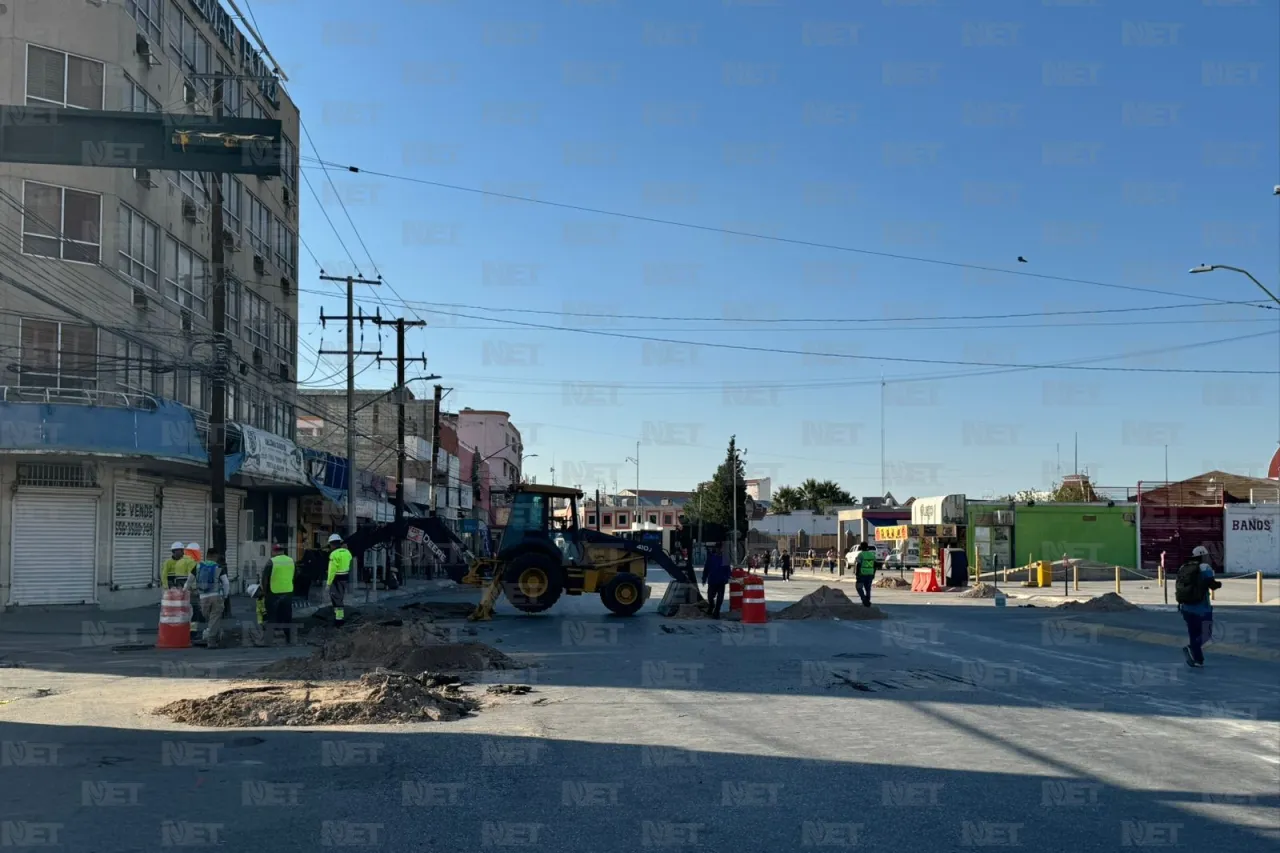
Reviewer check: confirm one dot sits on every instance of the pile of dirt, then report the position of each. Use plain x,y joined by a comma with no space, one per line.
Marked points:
411,647
1108,603
980,590
690,611
827,602
891,582
377,697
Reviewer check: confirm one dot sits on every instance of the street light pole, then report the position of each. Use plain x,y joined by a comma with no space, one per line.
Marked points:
1212,267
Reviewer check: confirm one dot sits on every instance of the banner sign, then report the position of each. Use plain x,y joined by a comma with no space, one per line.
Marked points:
894,533
272,457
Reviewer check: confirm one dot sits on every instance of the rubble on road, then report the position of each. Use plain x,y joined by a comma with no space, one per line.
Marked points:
891,582
1106,603
377,697
439,610
416,646
509,690
980,590
828,603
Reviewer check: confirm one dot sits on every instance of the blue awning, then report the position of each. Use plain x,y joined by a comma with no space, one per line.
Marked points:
161,429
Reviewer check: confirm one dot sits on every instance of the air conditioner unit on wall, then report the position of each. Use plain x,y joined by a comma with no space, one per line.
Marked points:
190,210
140,300
142,47
259,264
258,357
230,240
143,176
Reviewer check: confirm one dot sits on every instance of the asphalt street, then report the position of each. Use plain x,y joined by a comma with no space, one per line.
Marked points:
942,727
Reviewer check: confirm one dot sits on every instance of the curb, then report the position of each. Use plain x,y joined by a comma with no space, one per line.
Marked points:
1157,638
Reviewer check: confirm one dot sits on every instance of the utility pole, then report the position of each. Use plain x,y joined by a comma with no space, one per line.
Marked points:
401,392
435,447
221,351
350,319
883,487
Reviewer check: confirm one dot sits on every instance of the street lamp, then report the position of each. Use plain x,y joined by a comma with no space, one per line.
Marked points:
1212,267
636,459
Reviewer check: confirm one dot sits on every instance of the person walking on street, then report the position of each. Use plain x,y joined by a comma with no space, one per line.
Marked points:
277,586
339,575
213,587
785,563
831,560
1194,582
768,560
866,572
715,575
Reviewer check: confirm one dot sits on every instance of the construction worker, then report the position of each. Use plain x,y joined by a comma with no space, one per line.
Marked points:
210,582
339,574
176,569
716,573
278,592
254,591
866,569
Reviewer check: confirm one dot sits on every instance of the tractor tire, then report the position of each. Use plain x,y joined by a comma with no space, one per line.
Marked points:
624,595
533,582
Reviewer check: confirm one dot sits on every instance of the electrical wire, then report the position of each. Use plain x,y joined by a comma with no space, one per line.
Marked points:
809,244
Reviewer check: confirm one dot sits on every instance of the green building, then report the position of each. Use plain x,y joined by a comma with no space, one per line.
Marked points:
1007,533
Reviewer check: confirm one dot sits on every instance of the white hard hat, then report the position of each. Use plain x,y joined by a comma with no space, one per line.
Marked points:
1200,551
194,546
335,538
177,546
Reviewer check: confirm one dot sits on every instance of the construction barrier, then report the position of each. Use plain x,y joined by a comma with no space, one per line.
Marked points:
175,620
753,607
736,581
925,580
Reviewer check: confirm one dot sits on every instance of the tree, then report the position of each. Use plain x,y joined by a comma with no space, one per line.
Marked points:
787,499
713,501
821,496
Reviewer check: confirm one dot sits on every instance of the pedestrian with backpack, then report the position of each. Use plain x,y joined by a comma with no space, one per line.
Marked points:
1191,589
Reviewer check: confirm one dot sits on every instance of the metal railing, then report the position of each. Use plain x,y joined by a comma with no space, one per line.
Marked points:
1180,494
76,396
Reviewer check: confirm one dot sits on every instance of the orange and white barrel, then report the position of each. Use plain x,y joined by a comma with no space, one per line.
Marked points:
737,578
175,620
753,606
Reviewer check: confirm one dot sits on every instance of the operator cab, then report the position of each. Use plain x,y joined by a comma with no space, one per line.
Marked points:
532,519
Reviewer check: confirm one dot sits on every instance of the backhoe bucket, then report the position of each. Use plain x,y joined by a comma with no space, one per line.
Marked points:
679,593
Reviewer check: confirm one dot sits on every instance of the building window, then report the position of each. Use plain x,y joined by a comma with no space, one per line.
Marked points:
138,239
186,276
233,306
233,402
257,321
61,223
608,519
59,79
253,109
194,185
189,49
622,519
591,521
285,342
667,519
58,355
147,14
136,99
653,519
259,227
286,249
137,372
289,164
232,90
232,203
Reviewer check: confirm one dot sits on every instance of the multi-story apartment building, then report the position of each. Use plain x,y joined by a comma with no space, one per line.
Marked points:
106,287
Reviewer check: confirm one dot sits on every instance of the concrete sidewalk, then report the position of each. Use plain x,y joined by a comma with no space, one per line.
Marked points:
54,623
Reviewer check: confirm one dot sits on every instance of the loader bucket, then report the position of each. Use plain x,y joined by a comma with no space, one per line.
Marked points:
678,593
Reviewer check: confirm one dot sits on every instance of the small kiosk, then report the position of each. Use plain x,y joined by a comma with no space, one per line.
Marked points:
941,549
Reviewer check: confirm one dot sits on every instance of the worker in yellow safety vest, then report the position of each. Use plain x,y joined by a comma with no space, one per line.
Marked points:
277,584
175,570
339,576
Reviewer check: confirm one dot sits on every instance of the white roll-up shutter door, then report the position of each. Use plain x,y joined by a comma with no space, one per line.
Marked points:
133,545
235,500
54,548
184,517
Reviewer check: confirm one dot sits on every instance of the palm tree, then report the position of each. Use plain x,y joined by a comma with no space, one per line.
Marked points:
786,499
821,496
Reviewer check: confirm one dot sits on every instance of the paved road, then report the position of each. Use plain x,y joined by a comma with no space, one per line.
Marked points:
940,728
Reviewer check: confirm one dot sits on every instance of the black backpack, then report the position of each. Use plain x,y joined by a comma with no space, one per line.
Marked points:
1190,587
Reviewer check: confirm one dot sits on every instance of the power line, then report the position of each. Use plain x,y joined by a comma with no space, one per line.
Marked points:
810,244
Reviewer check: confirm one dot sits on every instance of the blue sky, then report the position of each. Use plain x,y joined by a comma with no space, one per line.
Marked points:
1112,143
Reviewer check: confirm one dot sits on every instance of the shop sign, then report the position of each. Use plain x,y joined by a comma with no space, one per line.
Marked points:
893,533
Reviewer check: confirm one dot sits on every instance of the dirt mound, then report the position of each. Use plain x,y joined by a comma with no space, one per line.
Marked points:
690,611
377,697
410,647
1107,603
827,602
891,582
980,590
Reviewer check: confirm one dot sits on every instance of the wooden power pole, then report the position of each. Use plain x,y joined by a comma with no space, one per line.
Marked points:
402,392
